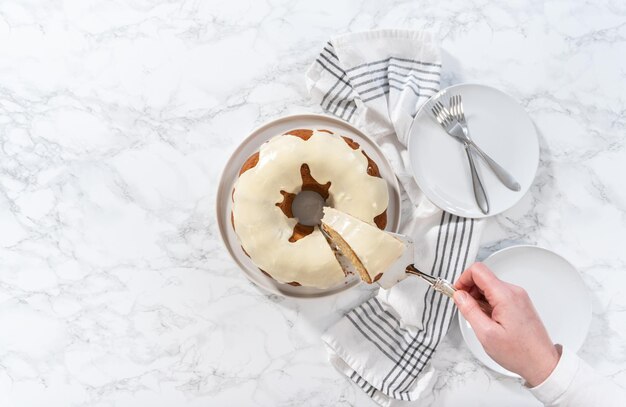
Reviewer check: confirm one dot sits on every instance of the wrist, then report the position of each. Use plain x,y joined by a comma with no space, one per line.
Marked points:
543,368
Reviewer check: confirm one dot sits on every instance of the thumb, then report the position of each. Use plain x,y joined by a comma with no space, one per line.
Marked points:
470,309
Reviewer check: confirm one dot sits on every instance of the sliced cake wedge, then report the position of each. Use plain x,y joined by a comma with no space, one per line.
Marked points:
370,250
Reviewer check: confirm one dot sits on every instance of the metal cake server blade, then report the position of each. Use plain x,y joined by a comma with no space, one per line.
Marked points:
404,266
398,269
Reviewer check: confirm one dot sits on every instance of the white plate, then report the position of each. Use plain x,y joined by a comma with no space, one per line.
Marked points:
555,288
249,146
500,126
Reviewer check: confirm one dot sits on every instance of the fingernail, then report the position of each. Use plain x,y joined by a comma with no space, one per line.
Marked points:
461,297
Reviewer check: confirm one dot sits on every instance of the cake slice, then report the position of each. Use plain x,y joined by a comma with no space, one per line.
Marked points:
370,250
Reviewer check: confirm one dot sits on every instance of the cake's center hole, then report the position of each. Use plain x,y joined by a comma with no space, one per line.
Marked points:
308,208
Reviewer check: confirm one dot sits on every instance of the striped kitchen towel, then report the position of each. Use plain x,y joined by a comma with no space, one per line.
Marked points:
377,80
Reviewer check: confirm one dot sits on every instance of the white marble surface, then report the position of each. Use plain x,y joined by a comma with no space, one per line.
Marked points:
115,121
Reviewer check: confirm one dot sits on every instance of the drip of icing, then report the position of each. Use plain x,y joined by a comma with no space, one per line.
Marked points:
375,248
264,230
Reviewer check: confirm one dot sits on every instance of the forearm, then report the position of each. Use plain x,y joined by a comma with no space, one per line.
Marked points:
573,383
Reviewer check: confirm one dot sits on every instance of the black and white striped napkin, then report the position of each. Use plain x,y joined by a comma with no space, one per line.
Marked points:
377,80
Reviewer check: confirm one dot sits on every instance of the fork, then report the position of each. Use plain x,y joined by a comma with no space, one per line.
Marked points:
456,110
452,126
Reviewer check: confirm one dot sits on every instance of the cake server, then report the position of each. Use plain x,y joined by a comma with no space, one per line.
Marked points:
399,270
405,266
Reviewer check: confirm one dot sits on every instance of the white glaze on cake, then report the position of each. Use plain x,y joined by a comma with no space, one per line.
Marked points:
376,249
264,230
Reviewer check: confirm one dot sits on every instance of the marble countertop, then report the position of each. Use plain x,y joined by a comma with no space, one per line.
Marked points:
116,120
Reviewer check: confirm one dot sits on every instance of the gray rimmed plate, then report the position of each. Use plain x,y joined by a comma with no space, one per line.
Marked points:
248,147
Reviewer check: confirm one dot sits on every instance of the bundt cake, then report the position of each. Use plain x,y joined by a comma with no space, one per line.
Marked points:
320,161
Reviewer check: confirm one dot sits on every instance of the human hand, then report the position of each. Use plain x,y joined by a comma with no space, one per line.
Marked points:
513,335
